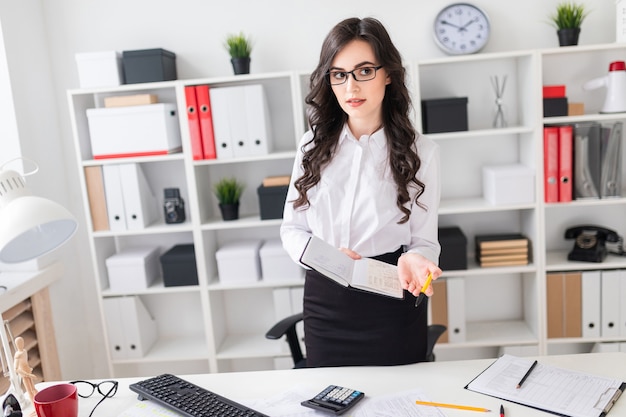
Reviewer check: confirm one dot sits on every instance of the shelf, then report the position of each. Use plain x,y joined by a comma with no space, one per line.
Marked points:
597,117
239,346
243,222
268,157
124,88
134,160
557,261
476,58
480,133
477,205
156,228
569,340
495,333
156,288
590,202
218,286
476,271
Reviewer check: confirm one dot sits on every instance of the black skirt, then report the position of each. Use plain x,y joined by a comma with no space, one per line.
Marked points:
350,327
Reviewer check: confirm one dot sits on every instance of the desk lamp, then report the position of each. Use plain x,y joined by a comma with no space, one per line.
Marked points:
30,227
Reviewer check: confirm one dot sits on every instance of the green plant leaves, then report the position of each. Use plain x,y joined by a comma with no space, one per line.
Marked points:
228,190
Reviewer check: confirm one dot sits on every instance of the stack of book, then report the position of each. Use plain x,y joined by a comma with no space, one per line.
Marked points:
502,250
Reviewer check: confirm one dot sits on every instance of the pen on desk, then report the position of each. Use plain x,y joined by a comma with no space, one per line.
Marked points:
458,407
422,294
519,384
501,410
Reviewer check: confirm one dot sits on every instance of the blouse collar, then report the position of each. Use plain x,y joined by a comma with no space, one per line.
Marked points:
377,137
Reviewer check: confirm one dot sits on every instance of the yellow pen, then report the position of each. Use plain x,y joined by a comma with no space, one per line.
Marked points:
458,407
422,294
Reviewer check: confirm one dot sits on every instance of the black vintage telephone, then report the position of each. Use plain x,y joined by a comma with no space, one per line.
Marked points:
590,243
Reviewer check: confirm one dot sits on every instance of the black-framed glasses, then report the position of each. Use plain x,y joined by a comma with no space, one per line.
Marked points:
10,407
359,74
86,389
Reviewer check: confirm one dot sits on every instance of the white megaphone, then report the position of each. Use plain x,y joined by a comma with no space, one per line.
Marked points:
615,83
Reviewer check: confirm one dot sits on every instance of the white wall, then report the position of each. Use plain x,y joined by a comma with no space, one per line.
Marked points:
287,36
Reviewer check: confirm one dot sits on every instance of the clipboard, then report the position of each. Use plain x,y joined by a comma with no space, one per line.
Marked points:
548,388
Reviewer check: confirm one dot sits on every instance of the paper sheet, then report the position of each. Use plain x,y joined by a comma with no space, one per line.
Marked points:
548,388
287,404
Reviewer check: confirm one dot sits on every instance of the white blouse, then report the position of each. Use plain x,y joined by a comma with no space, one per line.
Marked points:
354,204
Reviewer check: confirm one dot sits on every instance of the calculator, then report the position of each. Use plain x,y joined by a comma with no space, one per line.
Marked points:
334,399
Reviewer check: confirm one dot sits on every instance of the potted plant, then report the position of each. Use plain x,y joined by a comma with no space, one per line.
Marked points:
239,47
567,20
228,191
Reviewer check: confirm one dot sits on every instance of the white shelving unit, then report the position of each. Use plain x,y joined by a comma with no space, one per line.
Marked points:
217,327
210,327
502,305
573,67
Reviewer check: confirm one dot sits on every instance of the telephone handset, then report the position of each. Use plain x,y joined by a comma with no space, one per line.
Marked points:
590,243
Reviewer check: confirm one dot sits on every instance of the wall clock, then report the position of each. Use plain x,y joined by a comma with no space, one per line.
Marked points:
461,28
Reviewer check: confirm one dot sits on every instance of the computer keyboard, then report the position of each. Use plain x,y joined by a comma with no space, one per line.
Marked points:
188,399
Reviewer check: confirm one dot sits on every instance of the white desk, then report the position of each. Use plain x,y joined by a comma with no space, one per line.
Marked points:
442,381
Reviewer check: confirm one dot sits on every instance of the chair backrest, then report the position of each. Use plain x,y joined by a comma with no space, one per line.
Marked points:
287,327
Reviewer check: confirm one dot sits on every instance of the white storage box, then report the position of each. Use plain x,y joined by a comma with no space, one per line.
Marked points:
133,269
509,184
238,262
99,69
134,131
276,265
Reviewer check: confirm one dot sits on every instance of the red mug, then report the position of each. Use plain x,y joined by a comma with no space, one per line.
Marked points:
59,400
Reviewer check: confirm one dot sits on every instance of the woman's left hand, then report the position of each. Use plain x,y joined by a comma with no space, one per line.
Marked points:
413,270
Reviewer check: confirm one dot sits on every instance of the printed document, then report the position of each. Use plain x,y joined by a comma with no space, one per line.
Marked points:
548,388
366,273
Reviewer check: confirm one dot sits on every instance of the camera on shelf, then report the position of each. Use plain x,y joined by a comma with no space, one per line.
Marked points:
173,206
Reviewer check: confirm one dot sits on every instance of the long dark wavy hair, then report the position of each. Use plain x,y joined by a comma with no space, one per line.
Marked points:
326,118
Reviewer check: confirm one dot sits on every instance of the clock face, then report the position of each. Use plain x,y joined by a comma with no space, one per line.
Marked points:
461,28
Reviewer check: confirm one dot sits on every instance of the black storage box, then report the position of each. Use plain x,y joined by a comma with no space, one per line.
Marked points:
444,115
148,65
554,107
453,249
272,201
179,266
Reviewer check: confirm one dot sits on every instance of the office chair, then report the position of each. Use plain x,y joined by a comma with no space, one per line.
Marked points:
287,327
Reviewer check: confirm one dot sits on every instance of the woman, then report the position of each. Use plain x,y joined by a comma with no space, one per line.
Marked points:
367,183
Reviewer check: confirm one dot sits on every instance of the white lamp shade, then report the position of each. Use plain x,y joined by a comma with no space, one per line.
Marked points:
30,226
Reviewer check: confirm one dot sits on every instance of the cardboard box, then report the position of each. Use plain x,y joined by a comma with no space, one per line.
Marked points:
575,109
99,69
453,249
179,266
119,132
238,262
149,65
133,269
276,265
509,184
130,100
272,201
444,115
